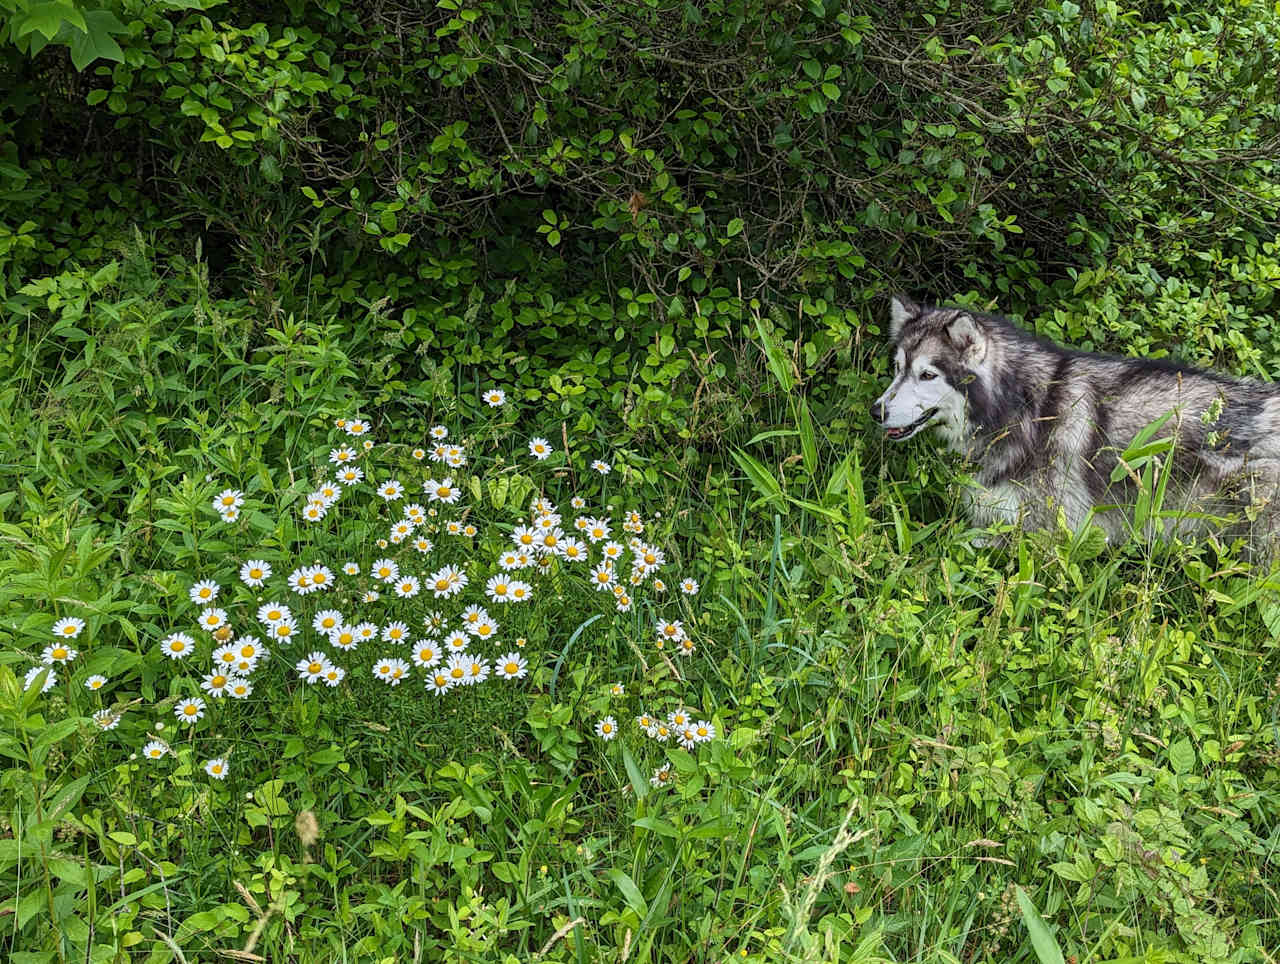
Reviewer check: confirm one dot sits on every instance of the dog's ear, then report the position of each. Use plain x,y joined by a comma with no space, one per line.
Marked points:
968,338
901,310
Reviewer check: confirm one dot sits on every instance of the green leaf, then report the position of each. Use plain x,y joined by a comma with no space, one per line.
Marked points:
1046,948
1182,756
95,41
735,227
760,477
630,892
47,19
638,783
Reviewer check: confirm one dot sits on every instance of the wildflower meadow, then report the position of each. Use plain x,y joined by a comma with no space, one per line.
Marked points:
441,518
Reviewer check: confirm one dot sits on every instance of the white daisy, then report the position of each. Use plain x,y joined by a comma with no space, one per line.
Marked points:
671,631
312,667
391,490
155,750
601,466
395,632
511,666
107,719
661,776
426,653
458,668
341,455
539,448
68,627
326,621
216,683
272,613
204,592
408,586
447,581
95,682
385,569
321,577
239,688
334,675
440,682
227,500
494,397
607,728
255,572
350,475
443,491
344,638
189,711
689,586
216,768
212,618
178,645
58,653
390,671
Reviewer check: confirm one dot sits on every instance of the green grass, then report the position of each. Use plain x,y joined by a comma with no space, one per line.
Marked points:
930,751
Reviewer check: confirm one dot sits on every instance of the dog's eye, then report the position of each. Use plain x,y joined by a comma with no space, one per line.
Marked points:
928,376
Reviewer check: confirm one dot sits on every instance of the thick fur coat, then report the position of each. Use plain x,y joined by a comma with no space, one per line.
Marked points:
1047,427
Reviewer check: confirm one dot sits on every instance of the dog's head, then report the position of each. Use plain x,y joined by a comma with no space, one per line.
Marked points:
937,353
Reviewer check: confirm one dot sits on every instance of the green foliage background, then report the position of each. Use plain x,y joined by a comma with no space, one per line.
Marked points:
221,224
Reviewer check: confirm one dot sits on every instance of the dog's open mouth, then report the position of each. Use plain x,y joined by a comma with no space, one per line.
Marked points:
907,431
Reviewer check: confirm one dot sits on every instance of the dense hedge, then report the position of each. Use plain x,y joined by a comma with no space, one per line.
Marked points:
501,183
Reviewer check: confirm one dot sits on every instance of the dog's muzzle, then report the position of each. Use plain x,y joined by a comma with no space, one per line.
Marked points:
906,431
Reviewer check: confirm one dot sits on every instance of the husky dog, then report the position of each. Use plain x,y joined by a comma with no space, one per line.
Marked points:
1047,429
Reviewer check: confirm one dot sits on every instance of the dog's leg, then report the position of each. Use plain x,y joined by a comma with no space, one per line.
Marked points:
987,506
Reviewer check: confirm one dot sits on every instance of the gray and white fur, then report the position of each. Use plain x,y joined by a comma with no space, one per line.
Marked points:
1045,427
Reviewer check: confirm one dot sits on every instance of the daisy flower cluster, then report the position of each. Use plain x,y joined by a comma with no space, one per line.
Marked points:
430,591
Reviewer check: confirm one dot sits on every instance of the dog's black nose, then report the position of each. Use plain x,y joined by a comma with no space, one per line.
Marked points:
877,411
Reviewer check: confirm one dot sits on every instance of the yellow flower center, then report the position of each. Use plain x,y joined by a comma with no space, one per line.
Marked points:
218,682
500,589
191,709
444,492
177,646
314,667
456,672
511,669
283,631
59,653
319,578
442,585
